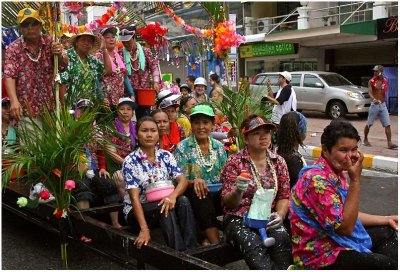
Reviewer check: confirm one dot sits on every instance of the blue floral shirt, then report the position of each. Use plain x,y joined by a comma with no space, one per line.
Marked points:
136,175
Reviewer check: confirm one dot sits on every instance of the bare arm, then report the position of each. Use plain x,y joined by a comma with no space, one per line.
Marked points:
112,152
232,200
282,207
378,220
144,234
15,106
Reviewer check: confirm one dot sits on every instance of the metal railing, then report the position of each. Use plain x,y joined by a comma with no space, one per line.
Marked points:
337,15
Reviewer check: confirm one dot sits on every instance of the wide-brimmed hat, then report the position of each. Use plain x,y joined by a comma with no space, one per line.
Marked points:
127,33
67,34
166,93
96,40
203,109
27,13
127,101
256,123
82,103
168,103
112,30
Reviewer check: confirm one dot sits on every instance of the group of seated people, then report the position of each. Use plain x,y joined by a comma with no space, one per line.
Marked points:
314,216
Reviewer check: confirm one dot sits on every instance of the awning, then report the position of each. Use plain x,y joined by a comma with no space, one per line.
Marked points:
255,38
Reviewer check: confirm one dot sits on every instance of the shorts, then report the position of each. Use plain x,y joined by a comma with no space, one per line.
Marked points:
378,111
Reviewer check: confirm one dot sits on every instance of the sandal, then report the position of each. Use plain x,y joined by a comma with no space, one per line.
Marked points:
85,239
393,146
367,144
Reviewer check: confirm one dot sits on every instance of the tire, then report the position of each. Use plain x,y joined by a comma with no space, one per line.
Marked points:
336,110
363,114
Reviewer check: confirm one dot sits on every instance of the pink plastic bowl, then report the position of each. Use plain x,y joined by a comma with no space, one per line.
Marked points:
157,194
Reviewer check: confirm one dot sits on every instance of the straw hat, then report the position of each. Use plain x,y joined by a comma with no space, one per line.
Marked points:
96,44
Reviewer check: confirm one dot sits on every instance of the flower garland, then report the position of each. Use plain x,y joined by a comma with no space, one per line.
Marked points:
213,156
132,132
155,165
257,178
153,34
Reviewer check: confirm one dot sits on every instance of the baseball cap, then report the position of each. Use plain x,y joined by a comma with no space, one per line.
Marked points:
27,13
378,68
112,30
83,103
203,109
185,86
127,33
256,123
286,75
127,101
168,103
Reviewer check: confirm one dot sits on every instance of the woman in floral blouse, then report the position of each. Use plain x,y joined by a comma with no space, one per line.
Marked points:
148,164
81,79
266,169
327,227
201,158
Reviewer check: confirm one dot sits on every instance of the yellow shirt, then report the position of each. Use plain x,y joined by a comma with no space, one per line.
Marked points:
185,124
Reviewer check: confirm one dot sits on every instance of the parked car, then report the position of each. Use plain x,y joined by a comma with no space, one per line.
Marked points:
325,92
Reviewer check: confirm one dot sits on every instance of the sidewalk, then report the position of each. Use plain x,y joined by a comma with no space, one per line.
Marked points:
376,157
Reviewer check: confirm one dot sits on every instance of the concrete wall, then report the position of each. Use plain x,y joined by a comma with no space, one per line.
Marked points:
176,71
263,9
307,52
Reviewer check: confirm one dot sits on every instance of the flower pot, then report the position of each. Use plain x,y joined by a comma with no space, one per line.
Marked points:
146,97
159,190
214,187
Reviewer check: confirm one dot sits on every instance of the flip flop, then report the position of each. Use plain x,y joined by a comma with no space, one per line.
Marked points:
367,144
85,239
394,147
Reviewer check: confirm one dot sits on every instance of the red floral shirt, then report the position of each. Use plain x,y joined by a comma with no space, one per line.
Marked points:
113,84
34,80
241,161
376,83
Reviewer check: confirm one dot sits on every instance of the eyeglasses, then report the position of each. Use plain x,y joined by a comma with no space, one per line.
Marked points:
31,23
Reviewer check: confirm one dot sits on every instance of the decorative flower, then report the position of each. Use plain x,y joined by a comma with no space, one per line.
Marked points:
174,89
57,172
69,184
22,201
144,156
60,213
233,148
45,194
153,34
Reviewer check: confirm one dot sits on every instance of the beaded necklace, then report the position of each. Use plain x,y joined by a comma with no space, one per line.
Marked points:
257,178
133,60
213,156
30,56
154,177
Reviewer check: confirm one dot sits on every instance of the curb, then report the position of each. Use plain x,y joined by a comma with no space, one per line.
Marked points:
372,162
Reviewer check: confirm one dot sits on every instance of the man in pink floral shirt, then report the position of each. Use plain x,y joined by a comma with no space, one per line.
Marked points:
29,66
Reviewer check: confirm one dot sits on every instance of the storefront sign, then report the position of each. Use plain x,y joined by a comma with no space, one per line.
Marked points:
266,49
387,28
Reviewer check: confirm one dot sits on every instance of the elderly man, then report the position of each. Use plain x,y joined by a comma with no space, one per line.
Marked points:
28,67
140,64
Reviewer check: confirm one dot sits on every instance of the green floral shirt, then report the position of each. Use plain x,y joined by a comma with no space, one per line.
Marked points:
82,78
189,161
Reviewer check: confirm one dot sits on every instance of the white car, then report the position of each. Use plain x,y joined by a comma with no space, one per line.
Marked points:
319,91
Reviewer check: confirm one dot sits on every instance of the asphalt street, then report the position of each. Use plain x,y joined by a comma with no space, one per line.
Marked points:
27,246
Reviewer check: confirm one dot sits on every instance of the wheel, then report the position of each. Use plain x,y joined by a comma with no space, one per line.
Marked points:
336,109
362,114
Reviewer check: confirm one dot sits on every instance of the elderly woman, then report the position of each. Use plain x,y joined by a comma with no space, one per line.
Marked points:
123,144
201,157
185,109
113,83
148,165
82,76
328,230
266,170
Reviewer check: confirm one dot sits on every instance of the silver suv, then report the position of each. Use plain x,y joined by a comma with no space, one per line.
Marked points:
319,91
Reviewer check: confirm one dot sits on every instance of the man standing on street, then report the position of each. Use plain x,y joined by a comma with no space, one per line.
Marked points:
285,99
377,88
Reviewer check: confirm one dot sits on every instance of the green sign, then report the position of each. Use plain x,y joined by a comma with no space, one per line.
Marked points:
266,49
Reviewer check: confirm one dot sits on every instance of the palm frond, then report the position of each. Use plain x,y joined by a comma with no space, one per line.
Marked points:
215,10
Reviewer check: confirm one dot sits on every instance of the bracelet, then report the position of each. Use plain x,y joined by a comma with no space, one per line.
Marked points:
144,230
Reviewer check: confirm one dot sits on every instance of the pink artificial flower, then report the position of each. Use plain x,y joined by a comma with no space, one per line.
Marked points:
144,157
45,194
69,184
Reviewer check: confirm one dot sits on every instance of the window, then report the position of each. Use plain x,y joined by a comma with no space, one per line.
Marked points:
273,79
309,81
295,80
259,80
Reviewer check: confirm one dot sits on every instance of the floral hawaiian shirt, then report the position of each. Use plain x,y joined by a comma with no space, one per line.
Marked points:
113,84
376,83
189,160
140,78
82,77
316,193
241,162
34,80
136,175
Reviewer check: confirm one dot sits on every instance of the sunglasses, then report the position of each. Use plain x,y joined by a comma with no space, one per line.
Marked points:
31,23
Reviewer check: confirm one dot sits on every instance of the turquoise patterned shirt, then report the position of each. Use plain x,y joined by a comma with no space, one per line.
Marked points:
189,161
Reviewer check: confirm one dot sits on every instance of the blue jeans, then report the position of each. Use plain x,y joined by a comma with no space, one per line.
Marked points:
178,228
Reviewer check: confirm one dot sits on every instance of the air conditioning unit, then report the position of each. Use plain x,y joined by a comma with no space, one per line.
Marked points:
264,25
249,26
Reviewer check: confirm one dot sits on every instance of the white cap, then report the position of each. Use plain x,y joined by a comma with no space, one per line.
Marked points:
200,81
166,93
286,75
